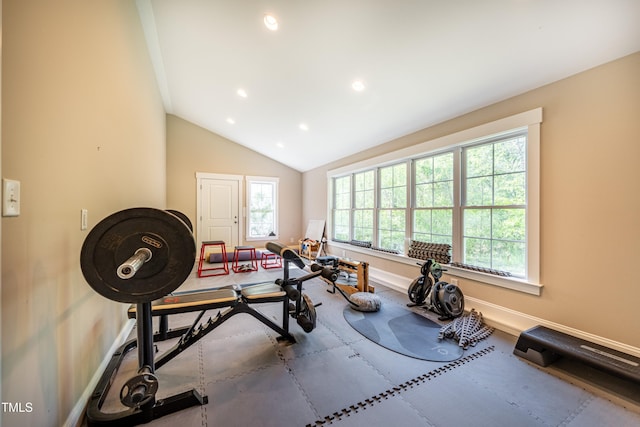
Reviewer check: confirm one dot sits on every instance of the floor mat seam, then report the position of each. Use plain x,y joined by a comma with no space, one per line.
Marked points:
398,389
203,408
572,416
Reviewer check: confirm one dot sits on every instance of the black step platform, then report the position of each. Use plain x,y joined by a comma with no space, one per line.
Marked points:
543,346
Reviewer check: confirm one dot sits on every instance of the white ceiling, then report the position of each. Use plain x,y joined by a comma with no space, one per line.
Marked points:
422,61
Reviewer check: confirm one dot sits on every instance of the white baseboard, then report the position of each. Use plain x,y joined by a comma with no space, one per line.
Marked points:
503,318
76,413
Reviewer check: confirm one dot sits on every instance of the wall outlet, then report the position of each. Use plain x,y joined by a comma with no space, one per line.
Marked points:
454,282
10,197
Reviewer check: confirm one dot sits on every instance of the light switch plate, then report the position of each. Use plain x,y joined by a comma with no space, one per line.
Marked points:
83,219
10,197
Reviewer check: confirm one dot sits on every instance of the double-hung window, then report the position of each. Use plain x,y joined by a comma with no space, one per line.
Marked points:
342,208
494,204
433,199
476,190
393,207
364,206
262,207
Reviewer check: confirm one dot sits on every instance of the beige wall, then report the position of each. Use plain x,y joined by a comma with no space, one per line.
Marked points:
590,200
83,127
192,149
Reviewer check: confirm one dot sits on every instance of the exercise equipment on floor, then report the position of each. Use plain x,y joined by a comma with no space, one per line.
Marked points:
140,256
359,300
467,329
399,329
543,346
135,256
223,269
357,271
444,299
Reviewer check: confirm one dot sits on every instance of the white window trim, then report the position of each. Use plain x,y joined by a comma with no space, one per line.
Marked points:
252,179
530,120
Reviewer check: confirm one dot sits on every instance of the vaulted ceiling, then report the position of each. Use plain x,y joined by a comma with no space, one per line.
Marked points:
419,62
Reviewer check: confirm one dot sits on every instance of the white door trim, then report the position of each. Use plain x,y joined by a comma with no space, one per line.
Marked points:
205,175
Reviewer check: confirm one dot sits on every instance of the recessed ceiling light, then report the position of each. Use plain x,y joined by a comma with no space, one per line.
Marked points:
231,121
358,85
242,93
271,22
303,126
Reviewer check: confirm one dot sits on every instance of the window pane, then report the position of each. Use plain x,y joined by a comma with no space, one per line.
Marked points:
399,197
393,186
510,256
400,175
477,252
422,224
477,223
424,195
391,229
424,170
341,225
443,167
442,223
443,194
480,191
363,225
386,198
510,155
479,160
434,181
386,178
509,224
510,189
364,191
342,192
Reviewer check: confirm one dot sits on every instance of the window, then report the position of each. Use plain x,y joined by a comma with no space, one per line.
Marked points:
262,207
363,206
342,208
392,209
433,207
476,190
494,211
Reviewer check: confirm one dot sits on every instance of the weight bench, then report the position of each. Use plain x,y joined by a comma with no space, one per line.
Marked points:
164,253
543,346
233,301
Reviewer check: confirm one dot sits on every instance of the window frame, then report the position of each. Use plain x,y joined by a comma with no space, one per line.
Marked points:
274,182
530,121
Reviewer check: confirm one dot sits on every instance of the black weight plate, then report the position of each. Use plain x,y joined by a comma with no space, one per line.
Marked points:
417,291
451,300
116,238
183,217
307,317
139,390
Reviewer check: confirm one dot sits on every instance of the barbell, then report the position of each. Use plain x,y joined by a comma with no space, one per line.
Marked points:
138,255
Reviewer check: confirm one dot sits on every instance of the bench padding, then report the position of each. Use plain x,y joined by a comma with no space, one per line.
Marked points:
265,290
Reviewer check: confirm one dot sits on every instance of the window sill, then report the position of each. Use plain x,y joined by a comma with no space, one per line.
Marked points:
262,239
516,284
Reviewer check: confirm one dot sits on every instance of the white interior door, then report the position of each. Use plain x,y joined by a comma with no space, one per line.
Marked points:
219,216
